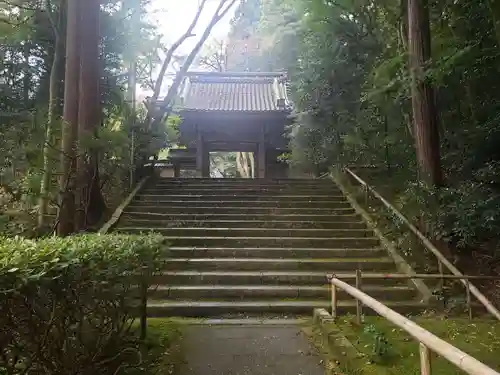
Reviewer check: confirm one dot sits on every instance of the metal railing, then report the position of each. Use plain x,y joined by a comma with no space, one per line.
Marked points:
442,261
427,341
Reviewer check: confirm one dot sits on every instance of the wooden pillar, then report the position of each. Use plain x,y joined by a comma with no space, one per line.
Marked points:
177,170
261,154
261,160
206,162
200,153
256,160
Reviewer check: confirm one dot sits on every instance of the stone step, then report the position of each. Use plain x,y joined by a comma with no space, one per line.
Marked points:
142,207
141,200
253,232
257,187
234,320
347,242
130,213
248,182
243,181
131,221
255,183
249,308
264,278
270,264
273,252
224,190
237,196
273,292
244,247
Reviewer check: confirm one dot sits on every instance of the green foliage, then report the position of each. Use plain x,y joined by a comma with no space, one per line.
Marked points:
380,345
27,46
163,351
172,129
223,165
350,84
479,339
66,303
466,216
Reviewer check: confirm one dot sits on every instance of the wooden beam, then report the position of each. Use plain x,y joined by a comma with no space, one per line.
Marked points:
230,146
205,173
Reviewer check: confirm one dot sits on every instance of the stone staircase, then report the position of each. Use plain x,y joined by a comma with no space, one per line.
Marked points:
258,247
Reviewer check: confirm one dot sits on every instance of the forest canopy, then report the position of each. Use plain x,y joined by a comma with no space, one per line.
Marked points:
354,77
408,86
77,79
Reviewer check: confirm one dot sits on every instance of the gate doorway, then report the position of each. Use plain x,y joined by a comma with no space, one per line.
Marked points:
232,164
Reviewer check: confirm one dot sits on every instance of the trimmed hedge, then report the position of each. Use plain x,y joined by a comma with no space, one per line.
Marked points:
65,303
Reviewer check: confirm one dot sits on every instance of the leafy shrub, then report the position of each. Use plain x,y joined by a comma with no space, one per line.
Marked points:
379,342
470,214
65,303
464,216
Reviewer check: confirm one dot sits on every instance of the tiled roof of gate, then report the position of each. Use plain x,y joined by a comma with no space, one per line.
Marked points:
235,92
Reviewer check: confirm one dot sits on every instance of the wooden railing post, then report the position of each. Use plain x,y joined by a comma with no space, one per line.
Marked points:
441,272
144,306
359,305
469,299
425,360
442,284
334,300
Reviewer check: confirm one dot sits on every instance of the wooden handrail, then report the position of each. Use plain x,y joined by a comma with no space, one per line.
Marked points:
418,276
427,340
415,276
430,246
119,210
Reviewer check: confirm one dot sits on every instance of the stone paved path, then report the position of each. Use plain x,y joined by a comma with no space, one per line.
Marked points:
248,350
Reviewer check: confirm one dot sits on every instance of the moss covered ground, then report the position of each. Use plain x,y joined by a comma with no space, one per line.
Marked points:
161,352
382,348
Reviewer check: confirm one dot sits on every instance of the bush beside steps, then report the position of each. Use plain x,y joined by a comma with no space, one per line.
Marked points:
65,303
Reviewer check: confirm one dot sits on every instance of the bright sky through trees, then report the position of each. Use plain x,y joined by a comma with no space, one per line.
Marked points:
174,22
173,18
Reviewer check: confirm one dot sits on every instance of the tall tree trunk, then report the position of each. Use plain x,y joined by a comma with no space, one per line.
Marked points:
251,157
131,98
403,26
27,74
495,16
246,164
66,214
51,114
240,161
425,114
89,199
132,6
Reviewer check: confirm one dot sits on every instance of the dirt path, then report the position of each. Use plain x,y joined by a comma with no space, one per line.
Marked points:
248,350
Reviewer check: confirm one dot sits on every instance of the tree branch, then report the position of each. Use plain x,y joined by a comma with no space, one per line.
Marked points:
221,11
48,9
175,46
